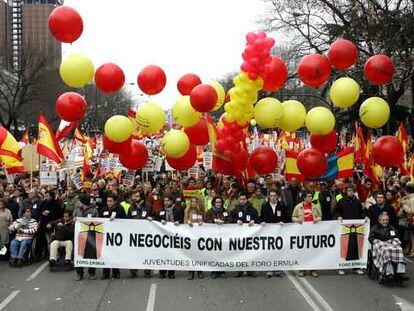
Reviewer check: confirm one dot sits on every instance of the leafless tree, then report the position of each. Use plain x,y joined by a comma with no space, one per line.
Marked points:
375,26
20,89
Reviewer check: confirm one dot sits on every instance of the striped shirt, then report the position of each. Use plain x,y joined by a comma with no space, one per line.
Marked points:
26,231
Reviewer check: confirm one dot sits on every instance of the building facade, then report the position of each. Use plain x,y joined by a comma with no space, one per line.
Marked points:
24,33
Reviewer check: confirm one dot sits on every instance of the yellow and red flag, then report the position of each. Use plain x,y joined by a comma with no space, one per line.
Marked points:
10,152
25,138
47,144
371,169
359,145
402,137
79,136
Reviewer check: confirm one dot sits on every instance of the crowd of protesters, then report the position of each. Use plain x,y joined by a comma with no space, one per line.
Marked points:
28,210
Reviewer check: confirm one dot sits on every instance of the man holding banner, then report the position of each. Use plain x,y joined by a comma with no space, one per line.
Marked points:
307,212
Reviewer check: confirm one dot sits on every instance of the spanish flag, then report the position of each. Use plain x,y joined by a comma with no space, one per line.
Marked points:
10,152
411,164
25,138
403,139
359,145
402,136
79,136
220,162
340,165
371,169
46,142
291,166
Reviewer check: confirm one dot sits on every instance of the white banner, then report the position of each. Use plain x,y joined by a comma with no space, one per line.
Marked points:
126,244
48,178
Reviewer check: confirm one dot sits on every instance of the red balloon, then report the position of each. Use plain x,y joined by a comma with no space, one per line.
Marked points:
116,148
388,151
65,24
152,80
342,54
314,70
135,157
109,78
275,75
71,106
187,82
379,69
324,143
186,161
263,160
239,162
198,133
312,163
203,98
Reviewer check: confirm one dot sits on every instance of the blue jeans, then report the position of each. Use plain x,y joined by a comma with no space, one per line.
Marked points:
18,248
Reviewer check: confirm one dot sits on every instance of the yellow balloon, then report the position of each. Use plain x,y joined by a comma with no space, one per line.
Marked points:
76,70
374,112
320,121
344,92
150,118
294,114
183,113
118,128
175,143
268,112
221,94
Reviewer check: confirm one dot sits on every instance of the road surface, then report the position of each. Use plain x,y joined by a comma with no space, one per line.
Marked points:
35,288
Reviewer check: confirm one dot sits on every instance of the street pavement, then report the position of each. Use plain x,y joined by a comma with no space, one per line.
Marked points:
35,288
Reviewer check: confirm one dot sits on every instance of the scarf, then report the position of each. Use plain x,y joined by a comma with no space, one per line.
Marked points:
169,215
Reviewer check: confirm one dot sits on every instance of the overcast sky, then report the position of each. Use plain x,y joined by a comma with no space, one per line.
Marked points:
182,36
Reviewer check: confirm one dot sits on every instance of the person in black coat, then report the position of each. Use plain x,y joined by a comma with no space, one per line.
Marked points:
349,207
244,212
381,207
170,213
140,209
112,210
291,196
50,210
273,211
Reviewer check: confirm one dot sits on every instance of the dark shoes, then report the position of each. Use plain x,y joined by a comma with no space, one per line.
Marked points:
78,277
200,274
191,275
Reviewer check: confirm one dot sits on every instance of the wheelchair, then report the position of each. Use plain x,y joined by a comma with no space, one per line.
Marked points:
60,264
31,251
381,277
